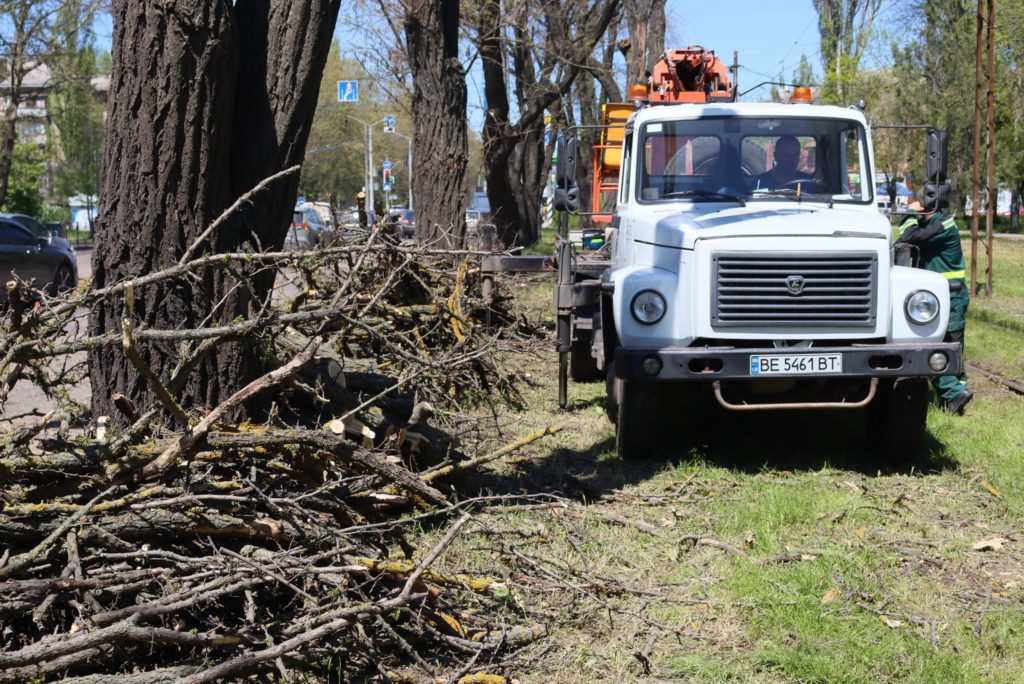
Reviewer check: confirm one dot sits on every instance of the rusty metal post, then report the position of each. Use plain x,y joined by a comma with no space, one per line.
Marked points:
990,182
976,169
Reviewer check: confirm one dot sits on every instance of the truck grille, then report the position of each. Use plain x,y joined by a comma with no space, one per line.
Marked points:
794,289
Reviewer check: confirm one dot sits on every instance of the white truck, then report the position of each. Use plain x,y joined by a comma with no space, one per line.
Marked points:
740,277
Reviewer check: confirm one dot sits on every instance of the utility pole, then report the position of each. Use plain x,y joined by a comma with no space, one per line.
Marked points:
368,138
993,191
976,170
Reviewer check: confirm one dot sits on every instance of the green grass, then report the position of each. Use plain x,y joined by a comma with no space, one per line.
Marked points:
831,566
545,246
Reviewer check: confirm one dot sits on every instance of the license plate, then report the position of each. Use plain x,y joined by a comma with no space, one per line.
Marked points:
795,364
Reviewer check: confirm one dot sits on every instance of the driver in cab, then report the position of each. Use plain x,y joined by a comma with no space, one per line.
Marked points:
784,173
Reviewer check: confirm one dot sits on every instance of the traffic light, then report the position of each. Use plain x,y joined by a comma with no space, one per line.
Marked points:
387,176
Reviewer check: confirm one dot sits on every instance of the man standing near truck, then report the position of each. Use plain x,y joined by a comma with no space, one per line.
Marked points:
937,238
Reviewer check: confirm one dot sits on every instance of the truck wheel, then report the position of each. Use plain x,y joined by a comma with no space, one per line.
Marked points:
612,390
582,364
895,420
636,433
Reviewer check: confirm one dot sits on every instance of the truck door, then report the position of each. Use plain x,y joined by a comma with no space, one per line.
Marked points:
622,221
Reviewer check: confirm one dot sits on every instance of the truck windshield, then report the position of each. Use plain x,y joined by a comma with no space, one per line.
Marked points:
716,159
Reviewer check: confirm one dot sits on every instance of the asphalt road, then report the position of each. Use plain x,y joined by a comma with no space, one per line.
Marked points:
84,258
27,403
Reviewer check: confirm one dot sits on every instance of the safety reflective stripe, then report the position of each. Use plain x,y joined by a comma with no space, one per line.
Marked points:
906,225
949,224
953,275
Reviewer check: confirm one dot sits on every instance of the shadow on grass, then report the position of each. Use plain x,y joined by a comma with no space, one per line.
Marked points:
808,441
744,442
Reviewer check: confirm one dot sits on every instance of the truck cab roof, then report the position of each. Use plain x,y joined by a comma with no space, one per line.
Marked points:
746,109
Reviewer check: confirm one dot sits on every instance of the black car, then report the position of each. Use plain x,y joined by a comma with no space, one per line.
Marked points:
39,230
25,256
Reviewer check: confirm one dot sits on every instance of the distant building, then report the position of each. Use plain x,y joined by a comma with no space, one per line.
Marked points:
33,118
83,211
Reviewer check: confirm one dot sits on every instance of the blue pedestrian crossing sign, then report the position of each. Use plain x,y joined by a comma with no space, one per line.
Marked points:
389,119
387,187
387,163
348,91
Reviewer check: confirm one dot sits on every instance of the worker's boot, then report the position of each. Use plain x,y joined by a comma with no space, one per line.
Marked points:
957,404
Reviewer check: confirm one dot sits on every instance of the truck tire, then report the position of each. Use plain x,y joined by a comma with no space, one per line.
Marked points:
612,389
582,364
636,425
895,420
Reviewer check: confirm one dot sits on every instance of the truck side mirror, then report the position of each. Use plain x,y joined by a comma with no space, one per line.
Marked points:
936,197
938,156
565,169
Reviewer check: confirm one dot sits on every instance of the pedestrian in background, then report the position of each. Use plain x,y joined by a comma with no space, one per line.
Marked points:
361,206
937,238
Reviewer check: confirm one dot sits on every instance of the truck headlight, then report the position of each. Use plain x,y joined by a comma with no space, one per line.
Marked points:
922,307
648,307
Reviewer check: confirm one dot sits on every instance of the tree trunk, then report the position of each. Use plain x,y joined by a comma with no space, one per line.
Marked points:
498,139
439,118
206,101
646,25
531,162
512,188
283,46
10,131
1015,202
590,115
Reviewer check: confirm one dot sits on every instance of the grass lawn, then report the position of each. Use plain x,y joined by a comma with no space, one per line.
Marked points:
777,548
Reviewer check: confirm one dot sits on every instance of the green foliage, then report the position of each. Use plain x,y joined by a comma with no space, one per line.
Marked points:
54,213
845,28
1009,94
78,125
28,165
335,154
935,77
804,72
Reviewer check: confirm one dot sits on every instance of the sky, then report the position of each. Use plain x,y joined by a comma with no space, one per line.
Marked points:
770,36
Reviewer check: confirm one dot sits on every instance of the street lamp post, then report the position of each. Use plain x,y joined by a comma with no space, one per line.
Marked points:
368,137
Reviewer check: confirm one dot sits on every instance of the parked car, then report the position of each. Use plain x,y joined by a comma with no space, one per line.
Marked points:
472,221
307,228
39,230
44,263
323,210
405,225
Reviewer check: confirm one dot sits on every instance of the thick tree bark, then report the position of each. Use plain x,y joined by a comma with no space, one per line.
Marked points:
512,188
646,25
283,46
499,139
206,100
439,117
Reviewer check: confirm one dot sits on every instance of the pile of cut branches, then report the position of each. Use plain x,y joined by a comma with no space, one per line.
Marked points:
180,546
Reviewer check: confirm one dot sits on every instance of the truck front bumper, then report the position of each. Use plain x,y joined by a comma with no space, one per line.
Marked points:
705,364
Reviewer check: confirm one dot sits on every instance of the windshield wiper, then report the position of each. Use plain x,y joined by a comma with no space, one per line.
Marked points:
790,193
706,194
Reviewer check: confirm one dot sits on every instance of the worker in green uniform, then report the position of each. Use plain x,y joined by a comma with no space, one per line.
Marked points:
937,238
